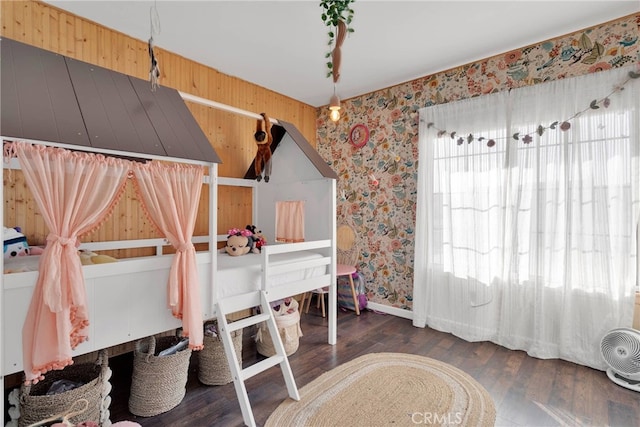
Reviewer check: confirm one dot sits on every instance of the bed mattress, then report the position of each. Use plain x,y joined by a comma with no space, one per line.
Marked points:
20,264
243,274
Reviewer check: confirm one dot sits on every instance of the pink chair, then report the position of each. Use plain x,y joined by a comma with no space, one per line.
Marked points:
347,257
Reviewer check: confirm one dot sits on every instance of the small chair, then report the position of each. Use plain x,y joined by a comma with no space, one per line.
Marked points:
347,258
306,298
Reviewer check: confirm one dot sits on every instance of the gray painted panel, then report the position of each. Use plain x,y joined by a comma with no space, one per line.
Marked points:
43,106
117,118
34,102
157,116
142,127
86,79
49,97
10,123
65,106
179,133
203,145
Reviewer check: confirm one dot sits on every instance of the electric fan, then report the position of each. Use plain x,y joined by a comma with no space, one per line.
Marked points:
620,349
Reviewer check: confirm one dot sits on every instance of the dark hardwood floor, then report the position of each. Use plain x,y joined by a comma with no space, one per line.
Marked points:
526,391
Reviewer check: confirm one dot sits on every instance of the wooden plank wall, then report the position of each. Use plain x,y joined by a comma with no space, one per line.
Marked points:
47,27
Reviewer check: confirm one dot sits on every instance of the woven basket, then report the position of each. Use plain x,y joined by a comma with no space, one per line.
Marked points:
213,368
158,383
288,325
36,406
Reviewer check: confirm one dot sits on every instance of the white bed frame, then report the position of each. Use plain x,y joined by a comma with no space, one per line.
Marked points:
126,300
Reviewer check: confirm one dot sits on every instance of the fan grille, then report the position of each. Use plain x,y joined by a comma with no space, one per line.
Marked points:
621,350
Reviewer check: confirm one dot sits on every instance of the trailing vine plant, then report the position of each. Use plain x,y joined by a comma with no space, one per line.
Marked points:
337,16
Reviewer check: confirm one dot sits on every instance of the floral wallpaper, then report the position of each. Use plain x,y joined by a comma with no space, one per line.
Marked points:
377,183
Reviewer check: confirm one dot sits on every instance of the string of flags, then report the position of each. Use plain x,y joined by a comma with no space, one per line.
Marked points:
563,125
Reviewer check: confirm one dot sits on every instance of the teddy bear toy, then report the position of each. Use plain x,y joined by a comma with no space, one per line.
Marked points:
237,244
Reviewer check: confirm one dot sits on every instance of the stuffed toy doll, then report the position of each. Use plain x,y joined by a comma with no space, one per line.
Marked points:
263,139
237,244
15,243
258,238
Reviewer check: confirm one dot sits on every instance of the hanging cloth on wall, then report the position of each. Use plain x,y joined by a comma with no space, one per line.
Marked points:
154,70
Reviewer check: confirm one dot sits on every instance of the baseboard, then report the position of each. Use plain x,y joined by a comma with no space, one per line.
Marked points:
395,311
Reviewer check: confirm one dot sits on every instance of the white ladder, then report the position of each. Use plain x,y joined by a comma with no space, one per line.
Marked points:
242,302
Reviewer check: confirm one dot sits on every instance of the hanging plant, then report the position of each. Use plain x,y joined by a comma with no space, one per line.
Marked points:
337,16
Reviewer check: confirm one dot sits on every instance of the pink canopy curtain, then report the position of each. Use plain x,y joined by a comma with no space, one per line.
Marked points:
290,221
170,195
74,193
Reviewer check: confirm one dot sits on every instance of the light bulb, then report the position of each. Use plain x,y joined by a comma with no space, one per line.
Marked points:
334,108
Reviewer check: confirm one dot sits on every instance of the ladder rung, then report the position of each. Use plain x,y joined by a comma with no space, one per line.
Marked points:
247,321
261,366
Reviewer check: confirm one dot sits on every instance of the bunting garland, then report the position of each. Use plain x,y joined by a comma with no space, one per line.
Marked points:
563,125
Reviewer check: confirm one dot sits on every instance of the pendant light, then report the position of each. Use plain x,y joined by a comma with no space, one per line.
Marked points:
336,58
334,106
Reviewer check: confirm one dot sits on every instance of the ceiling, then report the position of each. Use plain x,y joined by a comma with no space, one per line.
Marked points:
281,45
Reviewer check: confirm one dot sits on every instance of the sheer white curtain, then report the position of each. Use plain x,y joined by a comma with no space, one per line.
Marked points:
531,246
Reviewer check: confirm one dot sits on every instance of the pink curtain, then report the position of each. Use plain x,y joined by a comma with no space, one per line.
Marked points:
290,221
170,195
74,193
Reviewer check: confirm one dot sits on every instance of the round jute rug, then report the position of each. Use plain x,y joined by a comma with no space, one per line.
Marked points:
383,389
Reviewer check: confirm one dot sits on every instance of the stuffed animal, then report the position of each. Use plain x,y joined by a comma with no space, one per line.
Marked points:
284,306
263,138
87,258
258,238
237,245
15,243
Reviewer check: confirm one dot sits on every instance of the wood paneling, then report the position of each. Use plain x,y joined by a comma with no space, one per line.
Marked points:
235,212
231,135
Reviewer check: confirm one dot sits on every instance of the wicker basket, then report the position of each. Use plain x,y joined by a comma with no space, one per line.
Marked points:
36,406
289,327
158,383
213,368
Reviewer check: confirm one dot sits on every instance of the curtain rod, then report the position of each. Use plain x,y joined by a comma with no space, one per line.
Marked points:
220,106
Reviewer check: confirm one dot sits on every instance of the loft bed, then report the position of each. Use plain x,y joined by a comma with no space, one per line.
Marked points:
127,300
